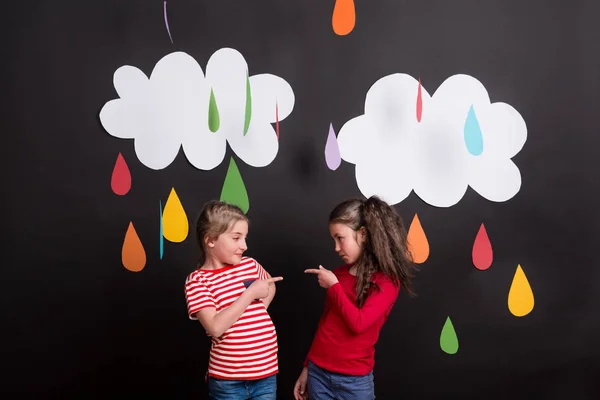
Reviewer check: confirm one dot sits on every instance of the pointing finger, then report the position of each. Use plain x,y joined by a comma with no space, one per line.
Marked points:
311,271
276,279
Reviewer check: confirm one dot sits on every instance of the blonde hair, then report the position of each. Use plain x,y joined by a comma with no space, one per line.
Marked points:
216,218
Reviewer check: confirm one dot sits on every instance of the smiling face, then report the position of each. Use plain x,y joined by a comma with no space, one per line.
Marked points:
228,247
348,242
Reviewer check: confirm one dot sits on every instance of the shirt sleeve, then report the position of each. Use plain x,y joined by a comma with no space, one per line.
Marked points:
197,297
376,305
262,273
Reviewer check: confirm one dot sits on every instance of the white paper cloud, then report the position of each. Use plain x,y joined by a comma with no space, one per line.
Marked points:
170,110
395,154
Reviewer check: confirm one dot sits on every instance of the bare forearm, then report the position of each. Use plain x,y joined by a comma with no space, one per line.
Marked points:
228,316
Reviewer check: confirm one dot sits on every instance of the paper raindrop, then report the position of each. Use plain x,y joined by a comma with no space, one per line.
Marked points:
213,113
344,17
473,136
248,114
277,119
417,241
520,296
419,102
332,150
482,250
162,241
174,219
448,338
133,255
120,181
167,21
234,190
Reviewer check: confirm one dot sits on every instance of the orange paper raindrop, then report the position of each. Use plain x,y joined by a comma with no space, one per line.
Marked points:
520,296
417,241
344,17
133,254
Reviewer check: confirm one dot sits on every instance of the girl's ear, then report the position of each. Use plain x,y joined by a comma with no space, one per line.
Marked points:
362,234
210,242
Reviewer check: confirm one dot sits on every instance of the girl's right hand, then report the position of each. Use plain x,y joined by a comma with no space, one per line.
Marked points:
260,287
300,392
326,278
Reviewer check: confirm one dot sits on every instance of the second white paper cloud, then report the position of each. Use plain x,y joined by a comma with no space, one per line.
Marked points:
395,154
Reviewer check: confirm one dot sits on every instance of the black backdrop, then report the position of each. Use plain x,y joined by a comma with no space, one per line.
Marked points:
78,324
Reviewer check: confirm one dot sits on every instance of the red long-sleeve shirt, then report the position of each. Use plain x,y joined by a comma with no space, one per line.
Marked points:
346,335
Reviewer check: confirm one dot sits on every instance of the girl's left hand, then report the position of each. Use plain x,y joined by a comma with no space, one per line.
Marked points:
326,278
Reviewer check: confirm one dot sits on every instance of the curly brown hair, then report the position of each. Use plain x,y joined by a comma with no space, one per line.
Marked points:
385,247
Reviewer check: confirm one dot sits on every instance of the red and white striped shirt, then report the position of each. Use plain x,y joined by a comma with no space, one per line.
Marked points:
248,349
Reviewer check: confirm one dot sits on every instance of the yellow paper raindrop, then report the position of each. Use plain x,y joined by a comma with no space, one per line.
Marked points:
520,296
175,222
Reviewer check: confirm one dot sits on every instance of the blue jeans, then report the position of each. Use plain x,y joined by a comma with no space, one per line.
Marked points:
325,385
259,389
